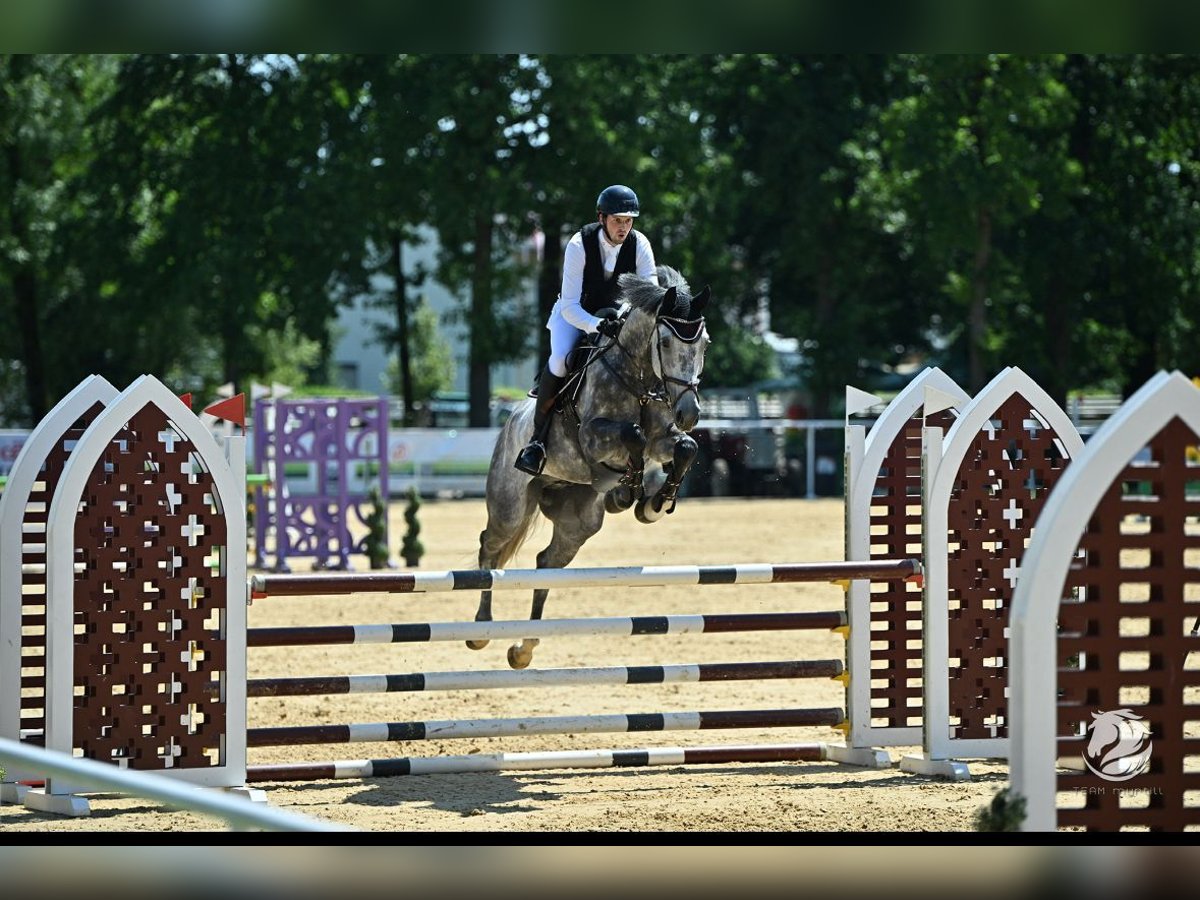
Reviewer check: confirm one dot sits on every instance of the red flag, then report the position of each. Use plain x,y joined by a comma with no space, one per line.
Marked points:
231,410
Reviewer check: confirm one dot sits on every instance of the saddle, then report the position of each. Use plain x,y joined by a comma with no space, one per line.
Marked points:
577,362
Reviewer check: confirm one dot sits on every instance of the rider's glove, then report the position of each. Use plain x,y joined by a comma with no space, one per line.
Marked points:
610,321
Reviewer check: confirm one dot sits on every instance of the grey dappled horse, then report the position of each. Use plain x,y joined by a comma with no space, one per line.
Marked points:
622,442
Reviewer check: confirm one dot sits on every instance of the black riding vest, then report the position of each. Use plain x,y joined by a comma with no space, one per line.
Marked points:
598,291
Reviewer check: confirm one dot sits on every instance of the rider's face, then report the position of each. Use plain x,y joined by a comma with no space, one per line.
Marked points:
617,227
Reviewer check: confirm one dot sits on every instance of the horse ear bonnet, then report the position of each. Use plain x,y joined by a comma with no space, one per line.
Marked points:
666,306
672,314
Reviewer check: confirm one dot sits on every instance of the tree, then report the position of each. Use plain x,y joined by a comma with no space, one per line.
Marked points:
45,143
479,206
391,114
972,148
650,133
1124,271
228,171
432,364
793,216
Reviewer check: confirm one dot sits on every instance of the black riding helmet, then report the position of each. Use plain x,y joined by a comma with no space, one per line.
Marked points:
617,200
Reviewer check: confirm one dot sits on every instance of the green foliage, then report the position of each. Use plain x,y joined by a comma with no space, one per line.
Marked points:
333,391
432,367
736,357
202,217
225,173
376,522
290,357
47,145
411,548
1006,812
504,392
971,149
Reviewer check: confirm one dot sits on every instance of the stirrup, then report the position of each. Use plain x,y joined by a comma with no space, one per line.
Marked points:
528,467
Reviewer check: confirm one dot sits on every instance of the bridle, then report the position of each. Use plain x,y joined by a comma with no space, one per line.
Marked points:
687,330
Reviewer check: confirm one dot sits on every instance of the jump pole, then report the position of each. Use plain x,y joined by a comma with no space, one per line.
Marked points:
520,762
299,585
620,626
473,680
381,732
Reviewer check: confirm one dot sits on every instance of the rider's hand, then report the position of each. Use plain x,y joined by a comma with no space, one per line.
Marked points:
610,321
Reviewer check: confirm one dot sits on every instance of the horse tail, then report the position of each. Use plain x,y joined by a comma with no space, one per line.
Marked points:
509,550
501,471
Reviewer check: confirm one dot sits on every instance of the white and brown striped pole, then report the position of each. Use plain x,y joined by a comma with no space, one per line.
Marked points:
518,762
376,732
474,680
620,626
299,585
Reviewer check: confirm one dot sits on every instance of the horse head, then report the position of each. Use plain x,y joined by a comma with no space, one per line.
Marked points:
668,321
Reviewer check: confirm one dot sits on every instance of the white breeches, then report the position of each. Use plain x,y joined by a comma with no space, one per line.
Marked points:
563,338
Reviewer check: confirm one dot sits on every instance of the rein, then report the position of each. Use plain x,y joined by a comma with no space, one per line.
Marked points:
656,393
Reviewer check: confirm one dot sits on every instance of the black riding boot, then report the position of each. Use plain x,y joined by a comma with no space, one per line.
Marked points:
532,459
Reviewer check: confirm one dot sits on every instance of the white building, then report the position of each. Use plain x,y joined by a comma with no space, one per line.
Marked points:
361,361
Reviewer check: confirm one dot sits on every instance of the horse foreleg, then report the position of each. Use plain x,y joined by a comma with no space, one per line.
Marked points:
617,443
663,503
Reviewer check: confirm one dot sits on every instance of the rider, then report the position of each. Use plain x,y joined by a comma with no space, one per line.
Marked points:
594,257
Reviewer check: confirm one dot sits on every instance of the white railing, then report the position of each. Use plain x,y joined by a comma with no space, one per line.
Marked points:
239,812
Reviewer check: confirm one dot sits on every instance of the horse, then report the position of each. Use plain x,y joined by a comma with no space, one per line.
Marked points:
617,440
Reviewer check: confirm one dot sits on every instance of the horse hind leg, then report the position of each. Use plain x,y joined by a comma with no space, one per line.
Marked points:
483,614
495,545
574,522
487,552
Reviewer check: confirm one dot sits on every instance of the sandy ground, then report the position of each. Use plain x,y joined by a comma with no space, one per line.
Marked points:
771,797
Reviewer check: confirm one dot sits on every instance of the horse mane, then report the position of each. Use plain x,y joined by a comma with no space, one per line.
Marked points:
643,294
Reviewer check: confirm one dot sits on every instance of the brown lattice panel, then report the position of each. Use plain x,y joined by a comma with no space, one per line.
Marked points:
999,491
150,604
33,573
896,605
1125,642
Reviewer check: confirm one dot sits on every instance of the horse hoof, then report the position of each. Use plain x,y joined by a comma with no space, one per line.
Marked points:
618,499
477,645
648,512
518,658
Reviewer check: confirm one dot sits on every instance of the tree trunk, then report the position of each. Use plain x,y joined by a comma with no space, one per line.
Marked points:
25,297
819,388
402,335
1143,361
1057,377
239,279
479,379
977,315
